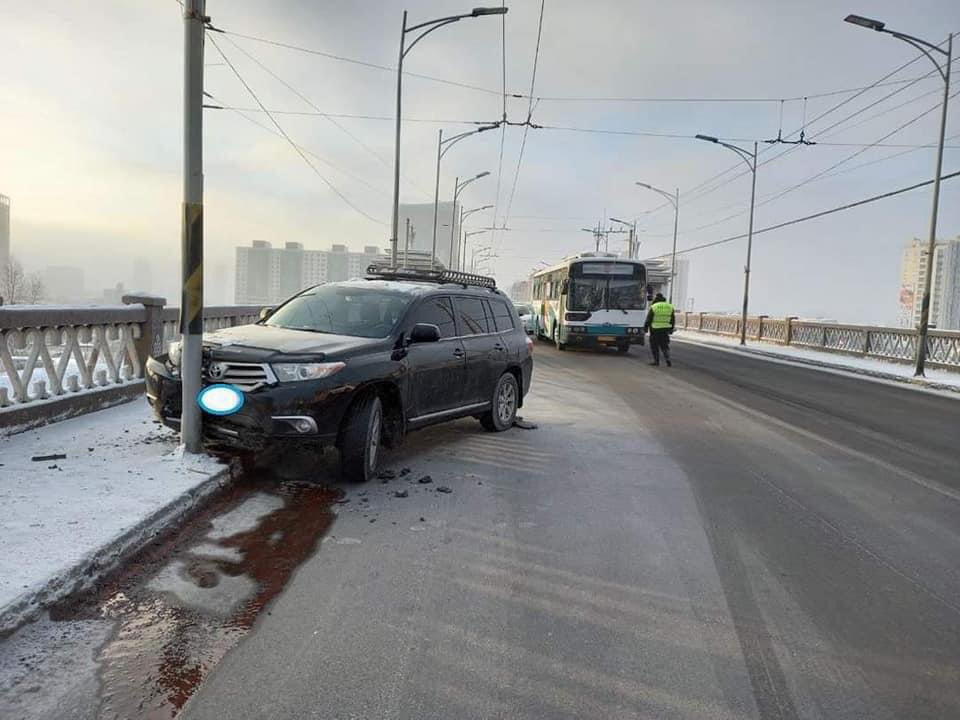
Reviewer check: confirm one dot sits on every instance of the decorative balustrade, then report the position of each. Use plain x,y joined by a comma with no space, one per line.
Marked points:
896,344
51,352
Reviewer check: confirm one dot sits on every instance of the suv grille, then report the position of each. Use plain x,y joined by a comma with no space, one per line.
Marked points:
246,376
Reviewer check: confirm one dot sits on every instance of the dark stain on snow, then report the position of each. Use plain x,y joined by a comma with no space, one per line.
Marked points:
187,599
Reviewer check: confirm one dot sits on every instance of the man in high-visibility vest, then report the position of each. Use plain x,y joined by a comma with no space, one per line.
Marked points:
660,323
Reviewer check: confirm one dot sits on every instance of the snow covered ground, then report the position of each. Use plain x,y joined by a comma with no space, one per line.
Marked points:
120,481
872,366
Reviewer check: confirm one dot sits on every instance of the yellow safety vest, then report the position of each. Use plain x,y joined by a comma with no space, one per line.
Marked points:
662,311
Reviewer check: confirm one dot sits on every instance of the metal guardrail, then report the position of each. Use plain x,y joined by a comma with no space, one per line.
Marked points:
883,343
49,351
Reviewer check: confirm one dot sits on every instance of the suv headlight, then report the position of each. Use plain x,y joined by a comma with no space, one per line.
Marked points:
174,351
292,372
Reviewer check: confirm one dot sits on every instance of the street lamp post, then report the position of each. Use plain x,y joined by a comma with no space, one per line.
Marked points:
675,201
944,70
441,151
751,160
457,187
466,236
478,254
427,27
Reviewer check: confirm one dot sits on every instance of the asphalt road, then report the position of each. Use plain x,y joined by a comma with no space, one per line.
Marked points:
727,538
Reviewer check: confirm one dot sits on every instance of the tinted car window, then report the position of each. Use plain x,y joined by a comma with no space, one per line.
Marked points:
437,311
342,311
502,315
471,316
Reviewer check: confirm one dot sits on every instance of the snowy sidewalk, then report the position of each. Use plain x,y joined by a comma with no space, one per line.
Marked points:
871,367
66,520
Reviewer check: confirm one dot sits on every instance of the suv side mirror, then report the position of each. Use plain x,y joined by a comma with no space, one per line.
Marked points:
424,332
265,313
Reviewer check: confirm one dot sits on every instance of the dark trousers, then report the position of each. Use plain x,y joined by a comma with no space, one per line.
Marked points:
660,340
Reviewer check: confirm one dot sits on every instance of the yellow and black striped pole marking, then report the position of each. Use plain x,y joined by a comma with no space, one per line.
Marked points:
191,301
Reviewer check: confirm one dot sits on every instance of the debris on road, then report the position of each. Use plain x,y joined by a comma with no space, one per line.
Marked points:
401,494
523,424
425,480
443,489
404,472
387,474
44,458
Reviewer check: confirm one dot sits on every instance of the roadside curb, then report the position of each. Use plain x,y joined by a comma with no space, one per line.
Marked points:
106,558
927,384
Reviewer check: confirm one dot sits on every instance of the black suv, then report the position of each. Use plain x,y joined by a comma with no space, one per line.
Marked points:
353,364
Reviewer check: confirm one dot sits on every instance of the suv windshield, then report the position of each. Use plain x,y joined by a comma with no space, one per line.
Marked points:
341,310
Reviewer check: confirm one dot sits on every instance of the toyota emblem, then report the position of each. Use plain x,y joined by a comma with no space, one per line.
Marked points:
216,370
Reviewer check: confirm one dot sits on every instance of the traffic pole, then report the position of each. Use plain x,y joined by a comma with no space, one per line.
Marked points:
922,331
191,254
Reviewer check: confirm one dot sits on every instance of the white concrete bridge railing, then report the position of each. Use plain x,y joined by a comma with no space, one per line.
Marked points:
58,361
883,343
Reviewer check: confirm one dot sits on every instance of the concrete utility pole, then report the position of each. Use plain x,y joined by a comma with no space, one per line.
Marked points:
191,254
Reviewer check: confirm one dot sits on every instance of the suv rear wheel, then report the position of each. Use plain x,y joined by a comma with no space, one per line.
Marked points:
360,439
503,409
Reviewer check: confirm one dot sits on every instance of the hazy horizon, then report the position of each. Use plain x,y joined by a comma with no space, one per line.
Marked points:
92,118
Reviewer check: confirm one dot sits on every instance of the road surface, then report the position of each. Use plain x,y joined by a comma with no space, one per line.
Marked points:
727,538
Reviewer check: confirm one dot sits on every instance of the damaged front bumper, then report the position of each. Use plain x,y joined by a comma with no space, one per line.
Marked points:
282,413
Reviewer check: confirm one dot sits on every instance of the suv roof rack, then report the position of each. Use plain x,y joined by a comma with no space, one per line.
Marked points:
377,272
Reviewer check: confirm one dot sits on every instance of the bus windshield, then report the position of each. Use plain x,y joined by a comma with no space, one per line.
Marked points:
605,293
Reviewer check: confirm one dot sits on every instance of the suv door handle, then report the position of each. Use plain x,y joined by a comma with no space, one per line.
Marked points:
458,353
498,346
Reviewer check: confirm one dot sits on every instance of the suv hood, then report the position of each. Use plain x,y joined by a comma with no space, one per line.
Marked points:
264,342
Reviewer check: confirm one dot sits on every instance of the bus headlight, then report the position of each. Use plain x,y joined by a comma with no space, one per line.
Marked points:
634,331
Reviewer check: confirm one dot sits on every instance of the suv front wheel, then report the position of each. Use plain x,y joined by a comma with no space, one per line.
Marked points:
503,409
360,439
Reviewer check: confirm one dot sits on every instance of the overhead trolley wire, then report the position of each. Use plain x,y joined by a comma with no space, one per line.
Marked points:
286,137
815,215
695,190
530,108
503,118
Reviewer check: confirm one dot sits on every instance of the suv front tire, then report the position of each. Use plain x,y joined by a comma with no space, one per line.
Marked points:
361,438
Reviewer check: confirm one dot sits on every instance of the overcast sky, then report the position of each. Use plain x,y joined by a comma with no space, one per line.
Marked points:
91,128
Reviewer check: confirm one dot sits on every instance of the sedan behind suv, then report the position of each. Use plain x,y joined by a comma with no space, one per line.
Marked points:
355,364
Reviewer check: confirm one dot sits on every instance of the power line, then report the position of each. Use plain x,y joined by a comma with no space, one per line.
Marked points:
326,116
699,195
287,137
819,175
352,116
820,214
503,125
530,106
272,131
354,61
812,96
309,102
